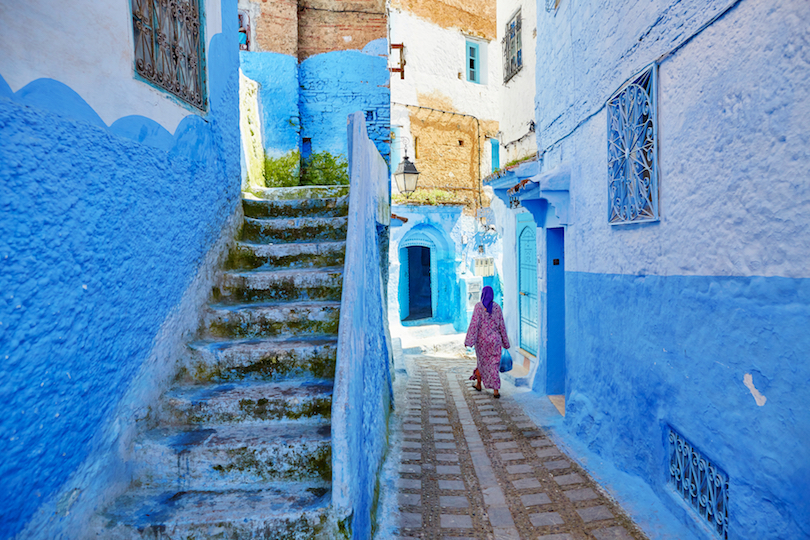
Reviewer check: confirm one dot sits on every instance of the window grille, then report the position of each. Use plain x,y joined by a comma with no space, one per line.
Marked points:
169,51
701,483
633,151
513,47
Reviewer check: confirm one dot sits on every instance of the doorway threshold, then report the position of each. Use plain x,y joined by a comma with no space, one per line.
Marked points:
559,402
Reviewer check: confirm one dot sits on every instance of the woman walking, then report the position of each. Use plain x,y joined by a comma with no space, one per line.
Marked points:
487,333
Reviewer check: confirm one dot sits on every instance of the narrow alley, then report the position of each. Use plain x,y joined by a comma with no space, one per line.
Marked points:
464,465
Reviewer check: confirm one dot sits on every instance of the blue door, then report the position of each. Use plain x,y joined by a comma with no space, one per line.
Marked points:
555,305
527,282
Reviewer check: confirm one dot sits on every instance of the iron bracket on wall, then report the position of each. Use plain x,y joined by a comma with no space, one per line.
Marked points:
401,68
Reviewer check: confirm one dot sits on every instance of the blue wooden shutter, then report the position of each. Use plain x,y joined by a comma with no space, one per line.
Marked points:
496,154
473,62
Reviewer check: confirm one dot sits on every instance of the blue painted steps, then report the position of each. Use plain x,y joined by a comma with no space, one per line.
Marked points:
240,447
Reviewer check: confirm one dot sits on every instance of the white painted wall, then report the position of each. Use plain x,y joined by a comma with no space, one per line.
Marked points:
734,135
435,56
89,47
516,98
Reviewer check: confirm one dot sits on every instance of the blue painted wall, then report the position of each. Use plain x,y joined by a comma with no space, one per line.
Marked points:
639,363
665,321
103,230
338,83
313,99
277,75
362,397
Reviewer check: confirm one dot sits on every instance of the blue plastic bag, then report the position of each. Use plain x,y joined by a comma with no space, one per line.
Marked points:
506,361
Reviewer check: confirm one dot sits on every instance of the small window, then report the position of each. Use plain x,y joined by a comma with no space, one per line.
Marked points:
513,47
244,31
169,50
496,154
473,62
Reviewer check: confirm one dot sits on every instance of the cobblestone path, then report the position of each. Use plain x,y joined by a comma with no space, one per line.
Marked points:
475,467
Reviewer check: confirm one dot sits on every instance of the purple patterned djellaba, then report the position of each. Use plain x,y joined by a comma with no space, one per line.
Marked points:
487,333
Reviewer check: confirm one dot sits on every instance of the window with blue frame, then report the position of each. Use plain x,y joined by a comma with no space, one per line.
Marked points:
513,47
473,62
496,154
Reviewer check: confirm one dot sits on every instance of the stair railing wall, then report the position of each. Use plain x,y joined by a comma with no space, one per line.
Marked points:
362,396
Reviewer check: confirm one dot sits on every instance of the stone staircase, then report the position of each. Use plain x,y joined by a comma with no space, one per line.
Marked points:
240,446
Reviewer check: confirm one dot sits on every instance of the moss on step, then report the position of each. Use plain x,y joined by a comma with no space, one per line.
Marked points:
243,258
283,290
238,328
315,463
306,231
279,366
264,409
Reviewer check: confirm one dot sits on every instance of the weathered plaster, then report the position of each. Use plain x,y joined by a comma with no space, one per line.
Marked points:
474,17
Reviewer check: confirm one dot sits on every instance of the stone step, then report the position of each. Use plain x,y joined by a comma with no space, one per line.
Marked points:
294,230
298,192
279,208
262,359
247,256
289,510
282,285
249,402
272,320
212,457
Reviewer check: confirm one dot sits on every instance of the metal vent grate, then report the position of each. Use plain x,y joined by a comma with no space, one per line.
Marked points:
701,483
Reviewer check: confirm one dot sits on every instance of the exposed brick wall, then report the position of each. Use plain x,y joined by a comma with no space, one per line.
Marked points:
474,17
334,25
277,26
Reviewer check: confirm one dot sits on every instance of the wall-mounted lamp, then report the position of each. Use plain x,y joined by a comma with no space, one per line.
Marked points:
406,176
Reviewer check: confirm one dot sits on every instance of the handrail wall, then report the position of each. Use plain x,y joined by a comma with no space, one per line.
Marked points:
362,397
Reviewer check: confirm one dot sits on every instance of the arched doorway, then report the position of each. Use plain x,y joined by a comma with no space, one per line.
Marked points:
419,276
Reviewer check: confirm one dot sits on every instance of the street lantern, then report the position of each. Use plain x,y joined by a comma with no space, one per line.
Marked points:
406,177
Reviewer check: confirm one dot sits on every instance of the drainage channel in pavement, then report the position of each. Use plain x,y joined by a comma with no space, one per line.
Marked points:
469,466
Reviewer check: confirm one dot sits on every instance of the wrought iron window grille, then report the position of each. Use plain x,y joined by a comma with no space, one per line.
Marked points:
513,47
701,483
632,118
169,47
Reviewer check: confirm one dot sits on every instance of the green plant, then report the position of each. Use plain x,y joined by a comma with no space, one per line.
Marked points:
282,171
324,169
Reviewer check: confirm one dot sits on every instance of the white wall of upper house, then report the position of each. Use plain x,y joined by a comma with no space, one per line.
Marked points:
89,48
436,61
516,99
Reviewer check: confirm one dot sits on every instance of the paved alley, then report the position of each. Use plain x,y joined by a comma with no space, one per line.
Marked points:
469,466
